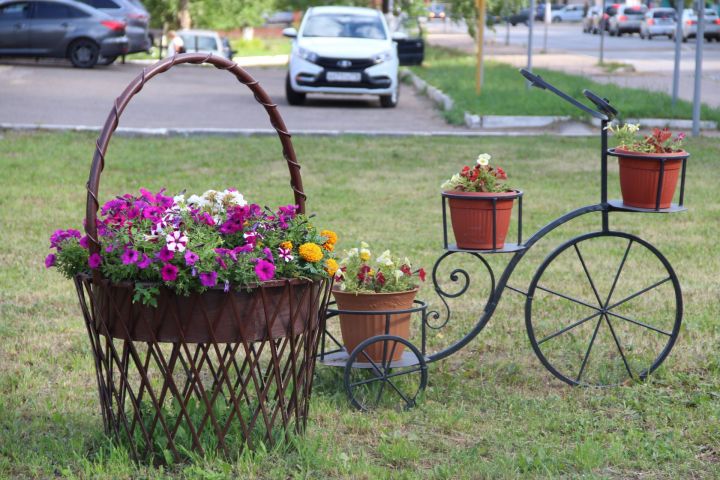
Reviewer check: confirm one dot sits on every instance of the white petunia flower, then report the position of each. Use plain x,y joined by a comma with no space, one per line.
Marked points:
398,275
176,241
384,259
483,159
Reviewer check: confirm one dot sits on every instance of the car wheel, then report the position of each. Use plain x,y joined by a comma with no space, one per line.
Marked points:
649,37
106,60
390,101
557,20
83,53
684,39
293,97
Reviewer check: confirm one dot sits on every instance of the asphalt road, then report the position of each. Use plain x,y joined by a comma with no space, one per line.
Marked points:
53,93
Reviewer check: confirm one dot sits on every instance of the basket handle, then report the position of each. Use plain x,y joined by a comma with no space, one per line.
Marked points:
137,84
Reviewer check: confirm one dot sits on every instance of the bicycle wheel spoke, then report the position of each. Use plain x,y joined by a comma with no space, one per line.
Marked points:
365,382
387,361
587,354
627,299
587,274
380,392
404,372
406,399
539,287
617,274
569,327
636,322
617,343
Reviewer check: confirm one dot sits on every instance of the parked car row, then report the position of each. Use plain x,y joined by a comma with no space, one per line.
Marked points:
618,20
87,32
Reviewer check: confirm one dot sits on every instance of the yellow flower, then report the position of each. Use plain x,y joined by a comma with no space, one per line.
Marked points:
310,252
287,245
364,254
329,246
331,266
331,236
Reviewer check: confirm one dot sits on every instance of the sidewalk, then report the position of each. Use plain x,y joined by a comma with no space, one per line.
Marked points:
648,74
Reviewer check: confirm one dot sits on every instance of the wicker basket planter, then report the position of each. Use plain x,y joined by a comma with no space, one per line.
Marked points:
214,370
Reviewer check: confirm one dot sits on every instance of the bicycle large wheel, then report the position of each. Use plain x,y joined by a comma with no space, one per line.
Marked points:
603,309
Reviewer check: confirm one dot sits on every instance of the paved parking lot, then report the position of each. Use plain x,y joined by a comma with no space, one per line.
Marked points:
53,93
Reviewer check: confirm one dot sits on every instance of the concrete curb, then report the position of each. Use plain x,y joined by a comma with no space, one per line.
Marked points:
247,132
473,121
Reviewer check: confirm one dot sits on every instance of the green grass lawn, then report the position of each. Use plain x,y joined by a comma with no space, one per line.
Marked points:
454,73
491,410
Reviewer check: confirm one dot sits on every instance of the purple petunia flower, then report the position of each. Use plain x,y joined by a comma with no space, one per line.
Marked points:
191,257
208,279
145,262
169,272
130,256
264,270
84,242
50,260
95,260
165,255
60,236
268,254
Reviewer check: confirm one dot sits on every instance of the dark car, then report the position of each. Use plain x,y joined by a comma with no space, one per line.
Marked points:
408,35
523,16
135,16
436,11
59,29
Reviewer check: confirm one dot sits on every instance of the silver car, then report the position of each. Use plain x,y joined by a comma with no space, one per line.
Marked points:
206,41
658,21
59,29
135,16
627,20
689,24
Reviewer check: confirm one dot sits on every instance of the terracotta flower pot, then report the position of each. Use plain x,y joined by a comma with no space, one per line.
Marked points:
356,328
640,177
472,218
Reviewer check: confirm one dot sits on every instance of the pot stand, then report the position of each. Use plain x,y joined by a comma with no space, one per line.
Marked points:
371,384
618,205
507,248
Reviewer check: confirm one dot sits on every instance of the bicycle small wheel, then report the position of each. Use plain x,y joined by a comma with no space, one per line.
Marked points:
377,376
602,309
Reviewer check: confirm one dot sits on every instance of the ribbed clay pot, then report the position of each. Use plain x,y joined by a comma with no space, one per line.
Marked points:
472,218
356,328
640,177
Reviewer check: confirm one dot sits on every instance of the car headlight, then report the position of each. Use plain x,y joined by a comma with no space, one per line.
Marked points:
383,57
306,54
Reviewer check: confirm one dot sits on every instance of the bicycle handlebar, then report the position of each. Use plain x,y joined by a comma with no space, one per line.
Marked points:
606,112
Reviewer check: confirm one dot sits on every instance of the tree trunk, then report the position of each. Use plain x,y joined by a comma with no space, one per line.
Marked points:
184,14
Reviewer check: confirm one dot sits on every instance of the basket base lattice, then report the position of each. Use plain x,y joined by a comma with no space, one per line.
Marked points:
168,395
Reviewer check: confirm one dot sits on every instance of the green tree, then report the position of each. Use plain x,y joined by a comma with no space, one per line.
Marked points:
229,14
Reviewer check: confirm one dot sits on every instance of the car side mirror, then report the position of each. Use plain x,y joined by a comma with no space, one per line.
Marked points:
290,32
399,36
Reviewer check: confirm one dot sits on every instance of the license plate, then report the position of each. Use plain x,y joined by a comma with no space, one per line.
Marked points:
343,76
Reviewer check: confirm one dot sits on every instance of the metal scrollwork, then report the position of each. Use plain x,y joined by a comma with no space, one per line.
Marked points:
460,277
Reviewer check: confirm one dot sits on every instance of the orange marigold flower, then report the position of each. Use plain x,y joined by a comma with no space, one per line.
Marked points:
287,245
331,266
310,252
329,246
331,236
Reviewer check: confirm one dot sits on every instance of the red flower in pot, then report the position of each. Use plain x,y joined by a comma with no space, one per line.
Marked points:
649,165
480,204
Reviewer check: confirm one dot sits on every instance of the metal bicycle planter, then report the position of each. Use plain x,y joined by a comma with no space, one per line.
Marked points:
603,340
218,369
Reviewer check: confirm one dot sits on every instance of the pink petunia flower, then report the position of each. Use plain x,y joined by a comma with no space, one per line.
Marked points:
264,270
169,272
165,255
208,279
95,260
50,260
176,241
130,256
191,257
285,254
145,262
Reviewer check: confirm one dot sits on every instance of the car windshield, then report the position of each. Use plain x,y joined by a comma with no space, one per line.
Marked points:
348,26
664,14
635,10
198,42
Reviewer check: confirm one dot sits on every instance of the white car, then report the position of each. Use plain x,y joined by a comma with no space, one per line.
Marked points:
568,13
689,24
346,50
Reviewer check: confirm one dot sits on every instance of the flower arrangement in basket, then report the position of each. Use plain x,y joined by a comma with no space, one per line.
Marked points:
195,243
383,283
477,194
642,158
